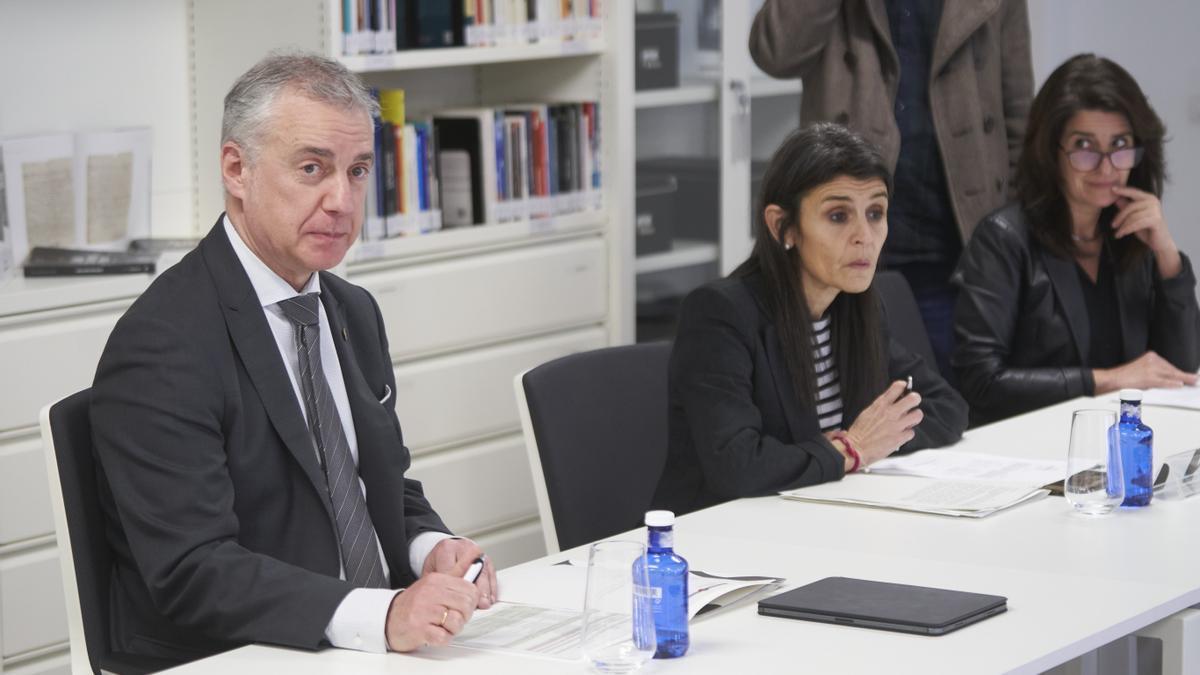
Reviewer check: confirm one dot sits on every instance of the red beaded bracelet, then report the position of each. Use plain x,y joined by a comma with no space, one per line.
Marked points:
857,458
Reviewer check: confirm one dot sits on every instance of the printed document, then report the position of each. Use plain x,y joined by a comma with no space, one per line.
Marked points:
1184,397
972,499
955,465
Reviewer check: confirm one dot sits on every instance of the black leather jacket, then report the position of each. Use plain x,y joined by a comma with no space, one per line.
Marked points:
1021,324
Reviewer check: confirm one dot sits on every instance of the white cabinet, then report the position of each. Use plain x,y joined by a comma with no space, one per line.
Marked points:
52,332
479,488
24,492
32,612
442,401
475,300
74,336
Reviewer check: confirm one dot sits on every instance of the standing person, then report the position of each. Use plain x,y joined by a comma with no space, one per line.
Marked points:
782,374
1078,288
244,419
942,87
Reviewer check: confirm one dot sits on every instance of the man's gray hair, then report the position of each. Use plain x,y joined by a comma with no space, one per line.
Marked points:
249,102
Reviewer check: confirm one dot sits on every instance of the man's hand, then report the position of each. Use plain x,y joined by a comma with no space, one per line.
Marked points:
431,611
449,554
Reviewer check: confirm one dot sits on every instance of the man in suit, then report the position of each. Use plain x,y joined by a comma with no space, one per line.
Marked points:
252,463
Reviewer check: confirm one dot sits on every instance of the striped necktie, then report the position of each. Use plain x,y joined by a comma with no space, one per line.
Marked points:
356,533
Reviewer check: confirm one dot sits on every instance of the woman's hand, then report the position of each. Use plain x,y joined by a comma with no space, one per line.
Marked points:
882,427
1148,371
1140,213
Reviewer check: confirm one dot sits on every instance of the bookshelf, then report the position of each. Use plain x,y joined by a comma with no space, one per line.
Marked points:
450,57
729,116
693,92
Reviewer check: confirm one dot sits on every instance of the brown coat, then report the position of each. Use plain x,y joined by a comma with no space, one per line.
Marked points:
979,92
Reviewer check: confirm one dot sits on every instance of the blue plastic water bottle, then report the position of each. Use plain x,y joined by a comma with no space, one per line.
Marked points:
668,574
1137,450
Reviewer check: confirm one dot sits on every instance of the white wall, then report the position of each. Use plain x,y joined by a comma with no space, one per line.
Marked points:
1156,43
72,65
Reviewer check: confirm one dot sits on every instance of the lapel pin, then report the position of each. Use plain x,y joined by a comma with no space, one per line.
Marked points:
345,337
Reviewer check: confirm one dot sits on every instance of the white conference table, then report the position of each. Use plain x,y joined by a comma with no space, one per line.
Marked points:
1073,583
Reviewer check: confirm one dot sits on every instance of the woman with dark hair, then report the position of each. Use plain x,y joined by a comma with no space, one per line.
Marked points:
1077,289
782,374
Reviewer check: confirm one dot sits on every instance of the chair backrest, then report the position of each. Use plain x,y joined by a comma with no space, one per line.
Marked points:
596,432
903,318
79,521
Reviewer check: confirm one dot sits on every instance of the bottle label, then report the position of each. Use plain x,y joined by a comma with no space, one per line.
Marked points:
652,592
662,538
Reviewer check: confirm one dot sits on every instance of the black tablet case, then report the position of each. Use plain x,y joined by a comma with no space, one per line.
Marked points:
885,606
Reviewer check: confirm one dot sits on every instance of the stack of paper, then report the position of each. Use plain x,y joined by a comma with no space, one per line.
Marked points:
971,499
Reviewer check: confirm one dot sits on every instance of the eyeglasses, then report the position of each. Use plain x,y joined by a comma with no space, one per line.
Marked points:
1121,159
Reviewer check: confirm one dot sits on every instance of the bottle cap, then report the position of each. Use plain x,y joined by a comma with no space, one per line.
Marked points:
1131,395
660,518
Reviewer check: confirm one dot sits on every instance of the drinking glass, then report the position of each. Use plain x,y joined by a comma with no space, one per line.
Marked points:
1095,484
618,619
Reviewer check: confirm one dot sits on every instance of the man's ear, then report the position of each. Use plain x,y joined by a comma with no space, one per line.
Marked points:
774,216
234,169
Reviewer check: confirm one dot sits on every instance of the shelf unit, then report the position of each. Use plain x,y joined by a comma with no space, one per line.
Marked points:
683,253
450,57
694,92
736,116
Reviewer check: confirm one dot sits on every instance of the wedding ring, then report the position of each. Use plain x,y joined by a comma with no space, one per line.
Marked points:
445,615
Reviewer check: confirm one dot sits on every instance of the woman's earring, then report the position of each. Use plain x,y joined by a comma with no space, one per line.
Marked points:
788,246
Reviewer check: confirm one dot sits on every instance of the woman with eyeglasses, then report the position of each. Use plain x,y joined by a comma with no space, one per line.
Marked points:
1077,288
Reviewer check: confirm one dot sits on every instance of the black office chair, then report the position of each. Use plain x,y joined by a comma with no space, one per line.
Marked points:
82,546
903,318
596,434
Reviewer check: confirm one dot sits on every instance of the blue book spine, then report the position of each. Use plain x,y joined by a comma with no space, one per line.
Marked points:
422,169
498,128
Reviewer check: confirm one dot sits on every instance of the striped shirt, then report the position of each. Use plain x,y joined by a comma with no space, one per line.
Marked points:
829,391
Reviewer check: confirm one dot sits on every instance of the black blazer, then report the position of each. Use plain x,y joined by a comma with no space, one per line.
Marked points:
1021,324
219,515
736,428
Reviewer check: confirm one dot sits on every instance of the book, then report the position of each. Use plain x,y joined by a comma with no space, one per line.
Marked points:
47,261
158,245
472,130
435,23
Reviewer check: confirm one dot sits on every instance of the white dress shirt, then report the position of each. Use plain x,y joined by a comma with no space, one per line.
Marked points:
359,621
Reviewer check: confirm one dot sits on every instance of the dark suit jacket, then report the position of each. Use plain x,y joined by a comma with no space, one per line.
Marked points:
736,428
219,514
1021,325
